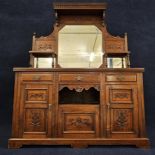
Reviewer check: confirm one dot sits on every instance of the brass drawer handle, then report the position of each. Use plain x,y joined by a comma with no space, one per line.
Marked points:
79,78
120,78
36,77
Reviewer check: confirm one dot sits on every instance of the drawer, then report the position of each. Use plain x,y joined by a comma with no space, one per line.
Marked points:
89,77
37,77
121,78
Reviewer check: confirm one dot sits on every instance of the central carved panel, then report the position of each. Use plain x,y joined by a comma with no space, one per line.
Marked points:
78,122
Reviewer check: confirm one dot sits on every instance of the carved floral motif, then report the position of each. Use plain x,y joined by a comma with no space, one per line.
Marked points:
121,120
36,96
113,47
121,95
44,46
79,122
35,119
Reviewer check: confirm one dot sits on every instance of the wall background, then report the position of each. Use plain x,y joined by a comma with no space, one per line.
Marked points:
20,18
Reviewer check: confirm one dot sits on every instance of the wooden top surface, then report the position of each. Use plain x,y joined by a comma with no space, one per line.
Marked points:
29,69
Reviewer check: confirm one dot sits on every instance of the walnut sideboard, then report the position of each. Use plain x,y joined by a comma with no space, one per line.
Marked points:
78,107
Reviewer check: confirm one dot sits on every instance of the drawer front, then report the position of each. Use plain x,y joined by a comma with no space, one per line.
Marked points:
121,78
37,77
89,77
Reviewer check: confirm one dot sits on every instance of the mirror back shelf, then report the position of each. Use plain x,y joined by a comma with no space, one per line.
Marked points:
80,40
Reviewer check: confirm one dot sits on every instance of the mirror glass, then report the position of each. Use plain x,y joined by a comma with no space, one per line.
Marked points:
43,62
116,62
80,46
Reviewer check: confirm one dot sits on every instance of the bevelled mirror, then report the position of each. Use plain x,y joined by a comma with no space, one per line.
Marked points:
116,62
80,46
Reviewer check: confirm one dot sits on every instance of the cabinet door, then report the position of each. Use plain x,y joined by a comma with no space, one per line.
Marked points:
78,121
36,110
122,111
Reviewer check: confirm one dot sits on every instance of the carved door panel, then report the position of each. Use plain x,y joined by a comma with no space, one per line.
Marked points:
35,110
122,111
78,121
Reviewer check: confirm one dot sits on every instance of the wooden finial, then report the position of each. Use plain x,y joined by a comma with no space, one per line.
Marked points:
33,41
103,19
56,16
126,42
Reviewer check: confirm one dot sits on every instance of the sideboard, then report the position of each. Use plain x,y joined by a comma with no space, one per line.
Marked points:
78,107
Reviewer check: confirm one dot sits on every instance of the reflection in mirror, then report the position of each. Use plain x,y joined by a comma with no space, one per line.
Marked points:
80,46
43,62
116,62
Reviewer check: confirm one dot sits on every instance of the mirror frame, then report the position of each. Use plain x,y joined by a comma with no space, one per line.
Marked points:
72,64
75,19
